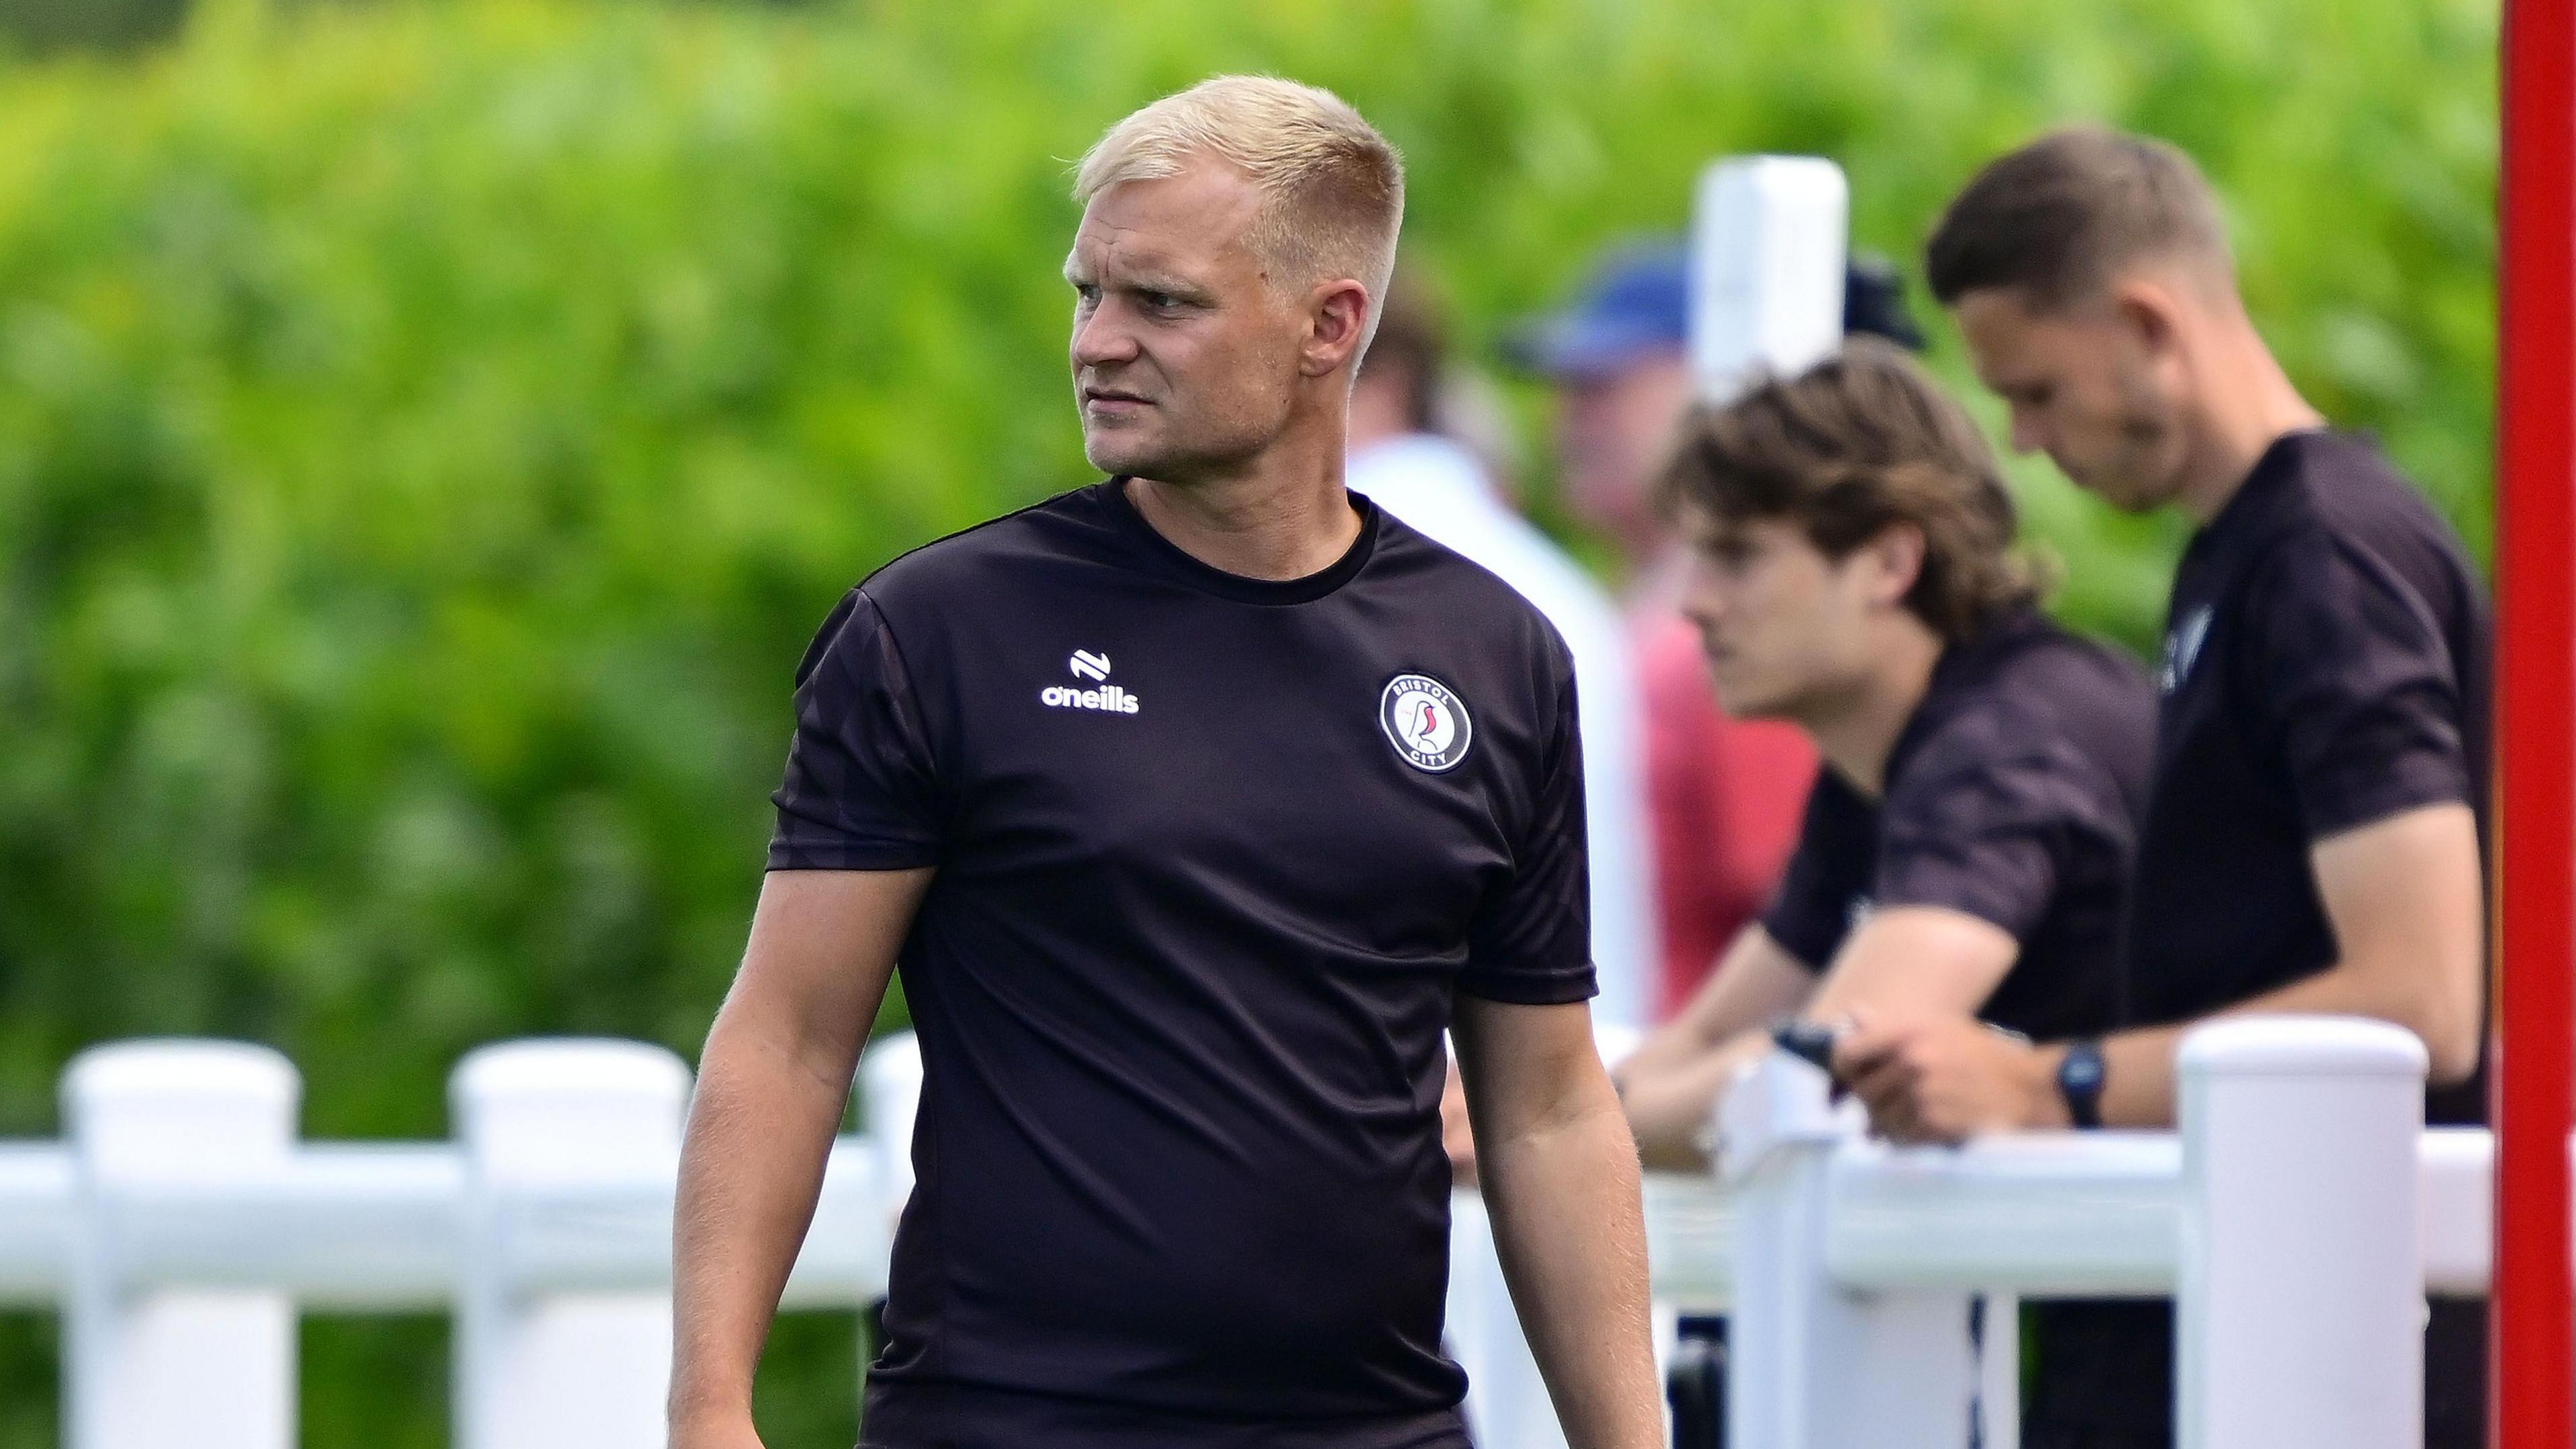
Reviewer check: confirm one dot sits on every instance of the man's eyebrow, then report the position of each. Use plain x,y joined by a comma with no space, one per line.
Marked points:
1146,281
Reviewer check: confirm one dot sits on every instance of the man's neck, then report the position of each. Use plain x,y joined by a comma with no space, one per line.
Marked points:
1858,733
1283,516
2246,404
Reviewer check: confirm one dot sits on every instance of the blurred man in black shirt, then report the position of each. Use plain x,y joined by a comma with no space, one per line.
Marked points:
1966,848
1195,805
2313,840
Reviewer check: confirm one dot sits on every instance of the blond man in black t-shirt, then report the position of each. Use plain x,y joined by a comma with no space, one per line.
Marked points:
1194,806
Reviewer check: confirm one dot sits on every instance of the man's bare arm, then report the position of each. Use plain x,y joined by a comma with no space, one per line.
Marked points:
1560,1179
1754,982
2409,919
2409,916
772,1083
1903,961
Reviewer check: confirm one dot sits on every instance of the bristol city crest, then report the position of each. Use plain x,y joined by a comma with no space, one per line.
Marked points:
1425,721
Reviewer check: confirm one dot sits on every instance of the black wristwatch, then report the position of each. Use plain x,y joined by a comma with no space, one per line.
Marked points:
2079,1081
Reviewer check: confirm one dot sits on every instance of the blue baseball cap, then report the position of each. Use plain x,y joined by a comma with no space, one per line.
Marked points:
1637,304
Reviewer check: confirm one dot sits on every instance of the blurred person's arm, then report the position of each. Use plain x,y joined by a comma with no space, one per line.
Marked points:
772,1084
1903,962
1560,1179
1669,1085
2404,898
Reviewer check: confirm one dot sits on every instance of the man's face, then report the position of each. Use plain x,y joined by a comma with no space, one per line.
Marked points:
1183,359
1613,432
1785,628
2084,386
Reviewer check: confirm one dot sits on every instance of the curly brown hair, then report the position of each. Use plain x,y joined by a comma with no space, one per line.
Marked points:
1861,443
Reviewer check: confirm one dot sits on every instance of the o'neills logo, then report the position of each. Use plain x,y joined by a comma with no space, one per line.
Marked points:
1108,698
1425,721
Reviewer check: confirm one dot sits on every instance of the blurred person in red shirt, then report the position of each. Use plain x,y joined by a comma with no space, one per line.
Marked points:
1724,794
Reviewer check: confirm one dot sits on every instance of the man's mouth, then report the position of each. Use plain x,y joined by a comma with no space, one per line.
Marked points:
1112,399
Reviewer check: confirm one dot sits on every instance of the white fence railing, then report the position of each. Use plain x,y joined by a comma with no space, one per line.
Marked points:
2298,1217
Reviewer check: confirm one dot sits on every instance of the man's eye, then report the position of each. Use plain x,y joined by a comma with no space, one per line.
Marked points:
1087,292
1161,301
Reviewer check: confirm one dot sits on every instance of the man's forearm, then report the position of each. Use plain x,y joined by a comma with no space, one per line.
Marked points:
760,1131
1567,1222
2138,1085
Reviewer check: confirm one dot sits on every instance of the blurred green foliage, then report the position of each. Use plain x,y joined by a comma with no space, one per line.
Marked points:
428,433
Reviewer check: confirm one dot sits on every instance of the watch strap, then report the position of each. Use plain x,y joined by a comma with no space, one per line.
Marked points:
2079,1082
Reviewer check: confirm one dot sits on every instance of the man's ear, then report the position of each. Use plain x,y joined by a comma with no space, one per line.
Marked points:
1895,562
2149,311
1337,316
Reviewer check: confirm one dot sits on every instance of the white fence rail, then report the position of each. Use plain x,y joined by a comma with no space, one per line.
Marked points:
2299,1216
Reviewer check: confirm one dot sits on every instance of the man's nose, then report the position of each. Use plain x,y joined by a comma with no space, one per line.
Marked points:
1102,338
1702,601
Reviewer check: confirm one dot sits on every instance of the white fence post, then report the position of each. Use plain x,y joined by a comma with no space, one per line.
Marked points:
1810,1364
2300,1305
146,1366
558,1370
890,1100
889,1104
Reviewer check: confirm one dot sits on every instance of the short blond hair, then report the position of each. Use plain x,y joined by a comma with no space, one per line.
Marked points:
1332,187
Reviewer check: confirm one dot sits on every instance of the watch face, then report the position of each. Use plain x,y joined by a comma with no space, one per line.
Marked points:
2083,1071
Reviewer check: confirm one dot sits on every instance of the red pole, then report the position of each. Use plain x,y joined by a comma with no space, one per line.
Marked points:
2534,1374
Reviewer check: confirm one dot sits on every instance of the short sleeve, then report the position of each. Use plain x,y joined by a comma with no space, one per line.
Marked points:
2358,689
1984,829
1811,911
861,791
1531,941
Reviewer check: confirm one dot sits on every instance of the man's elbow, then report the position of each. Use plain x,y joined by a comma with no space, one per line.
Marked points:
2452,1048
2449,1023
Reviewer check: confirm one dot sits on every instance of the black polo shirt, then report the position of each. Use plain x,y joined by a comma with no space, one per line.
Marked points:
1214,855
2326,665
2012,795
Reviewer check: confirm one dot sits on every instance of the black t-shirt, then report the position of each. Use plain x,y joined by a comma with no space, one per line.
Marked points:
1213,856
2326,665
2012,795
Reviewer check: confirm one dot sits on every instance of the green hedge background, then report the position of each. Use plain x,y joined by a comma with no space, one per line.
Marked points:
429,433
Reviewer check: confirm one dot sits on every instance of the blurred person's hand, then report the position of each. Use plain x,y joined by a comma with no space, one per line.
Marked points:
1669,1105
1456,1134
1946,1079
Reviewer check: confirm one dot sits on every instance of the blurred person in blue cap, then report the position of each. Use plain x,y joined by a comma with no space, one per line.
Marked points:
1619,358
1724,795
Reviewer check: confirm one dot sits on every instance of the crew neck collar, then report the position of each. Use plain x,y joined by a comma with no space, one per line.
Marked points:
2276,461
1176,563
